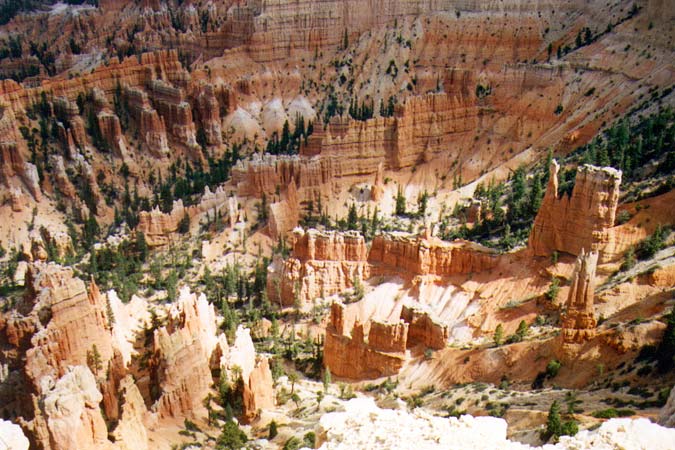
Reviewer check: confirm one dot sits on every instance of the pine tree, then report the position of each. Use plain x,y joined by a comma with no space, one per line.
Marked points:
352,218
553,423
499,335
327,379
400,202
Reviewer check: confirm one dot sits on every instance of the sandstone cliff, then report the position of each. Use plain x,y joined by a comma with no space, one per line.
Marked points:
580,221
423,329
320,265
412,255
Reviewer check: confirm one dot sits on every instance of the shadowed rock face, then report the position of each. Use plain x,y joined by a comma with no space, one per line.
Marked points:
580,221
579,322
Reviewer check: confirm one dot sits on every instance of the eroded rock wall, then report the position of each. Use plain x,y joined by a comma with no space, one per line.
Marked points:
320,265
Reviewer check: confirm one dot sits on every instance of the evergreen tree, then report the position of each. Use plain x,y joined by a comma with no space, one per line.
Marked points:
400,202
499,335
553,422
352,218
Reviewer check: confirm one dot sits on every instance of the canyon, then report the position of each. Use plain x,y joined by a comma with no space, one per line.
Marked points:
336,224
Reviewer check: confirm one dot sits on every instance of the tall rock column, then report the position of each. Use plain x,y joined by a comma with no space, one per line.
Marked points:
582,220
579,321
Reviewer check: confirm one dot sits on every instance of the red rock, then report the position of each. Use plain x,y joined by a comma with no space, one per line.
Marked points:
321,264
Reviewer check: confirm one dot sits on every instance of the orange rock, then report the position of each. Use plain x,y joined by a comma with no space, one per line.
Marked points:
358,356
377,191
284,215
582,220
413,255
321,264
663,277
258,392
423,329
578,323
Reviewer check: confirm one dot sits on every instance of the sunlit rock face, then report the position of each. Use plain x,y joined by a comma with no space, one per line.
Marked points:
580,221
364,425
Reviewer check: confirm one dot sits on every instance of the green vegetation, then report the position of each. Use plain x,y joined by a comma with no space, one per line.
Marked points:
611,413
499,335
232,437
655,242
555,426
289,143
507,211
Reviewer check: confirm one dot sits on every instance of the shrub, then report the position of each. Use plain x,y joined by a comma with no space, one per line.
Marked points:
499,335
629,260
552,368
553,289
232,437
273,430
657,241
184,224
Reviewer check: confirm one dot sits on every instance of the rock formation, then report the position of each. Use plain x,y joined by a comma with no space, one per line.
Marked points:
365,425
71,409
323,264
12,436
207,111
578,323
12,164
377,190
667,414
284,215
582,220
160,228
77,323
111,131
130,433
150,125
320,265
180,365
240,360
352,354
423,329
175,110
258,392
411,255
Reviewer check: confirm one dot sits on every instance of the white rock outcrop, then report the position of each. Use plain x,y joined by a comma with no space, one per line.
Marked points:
364,425
12,437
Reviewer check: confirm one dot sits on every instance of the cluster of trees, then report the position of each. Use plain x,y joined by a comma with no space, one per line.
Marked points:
363,111
289,143
119,267
518,336
388,109
507,210
631,146
555,427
